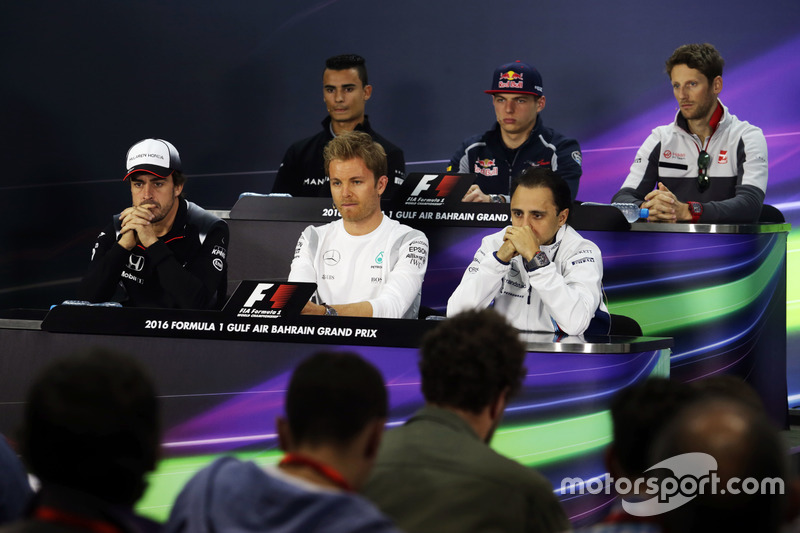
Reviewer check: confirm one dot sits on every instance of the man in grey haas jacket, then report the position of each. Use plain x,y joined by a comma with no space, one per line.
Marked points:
708,166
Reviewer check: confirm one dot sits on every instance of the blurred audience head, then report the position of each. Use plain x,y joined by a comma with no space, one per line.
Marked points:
91,423
332,396
747,449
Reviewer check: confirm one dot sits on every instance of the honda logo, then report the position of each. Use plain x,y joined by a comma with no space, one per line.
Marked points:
136,262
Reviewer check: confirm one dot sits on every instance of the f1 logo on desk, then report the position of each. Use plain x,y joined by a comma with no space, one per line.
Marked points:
264,299
434,189
280,295
443,188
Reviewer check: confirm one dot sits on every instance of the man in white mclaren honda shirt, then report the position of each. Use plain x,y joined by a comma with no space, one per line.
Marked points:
708,166
364,264
539,272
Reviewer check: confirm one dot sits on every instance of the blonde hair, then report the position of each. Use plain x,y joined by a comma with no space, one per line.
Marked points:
356,145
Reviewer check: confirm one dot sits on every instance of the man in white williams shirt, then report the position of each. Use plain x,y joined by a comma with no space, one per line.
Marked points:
538,272
364,264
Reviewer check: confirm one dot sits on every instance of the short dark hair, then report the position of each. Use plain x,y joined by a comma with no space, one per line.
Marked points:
179,178
533,177
638,413
756,452
468,360
91,423
702,57
348,61
356,145
332,396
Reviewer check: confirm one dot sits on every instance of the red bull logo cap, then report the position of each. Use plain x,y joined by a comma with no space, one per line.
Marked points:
516,77
156,156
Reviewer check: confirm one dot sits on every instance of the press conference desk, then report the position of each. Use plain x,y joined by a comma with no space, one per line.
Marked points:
718,290
222,379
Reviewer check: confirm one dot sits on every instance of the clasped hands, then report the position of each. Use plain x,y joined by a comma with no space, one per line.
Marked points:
518,241
664,206
136,227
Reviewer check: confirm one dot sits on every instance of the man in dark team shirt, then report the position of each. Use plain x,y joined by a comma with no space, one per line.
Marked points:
162,251
519,140
345,91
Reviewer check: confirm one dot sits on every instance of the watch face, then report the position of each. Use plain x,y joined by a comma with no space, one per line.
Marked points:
540,258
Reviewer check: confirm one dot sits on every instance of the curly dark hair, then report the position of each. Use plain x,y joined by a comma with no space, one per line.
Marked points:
470,359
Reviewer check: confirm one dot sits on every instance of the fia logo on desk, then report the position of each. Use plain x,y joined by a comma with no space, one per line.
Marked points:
433,189
267,299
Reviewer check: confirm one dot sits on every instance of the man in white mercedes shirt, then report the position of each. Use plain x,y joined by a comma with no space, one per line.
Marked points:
539,272
364,264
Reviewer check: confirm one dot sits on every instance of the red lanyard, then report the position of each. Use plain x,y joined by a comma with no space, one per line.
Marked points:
324,470
51,514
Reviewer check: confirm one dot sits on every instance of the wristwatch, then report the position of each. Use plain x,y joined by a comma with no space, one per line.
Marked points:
330,311
538,260
696,210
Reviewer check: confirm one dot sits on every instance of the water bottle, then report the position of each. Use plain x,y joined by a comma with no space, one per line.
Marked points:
631,212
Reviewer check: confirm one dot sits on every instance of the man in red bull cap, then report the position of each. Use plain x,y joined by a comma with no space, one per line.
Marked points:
518,140
345,91
162,251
